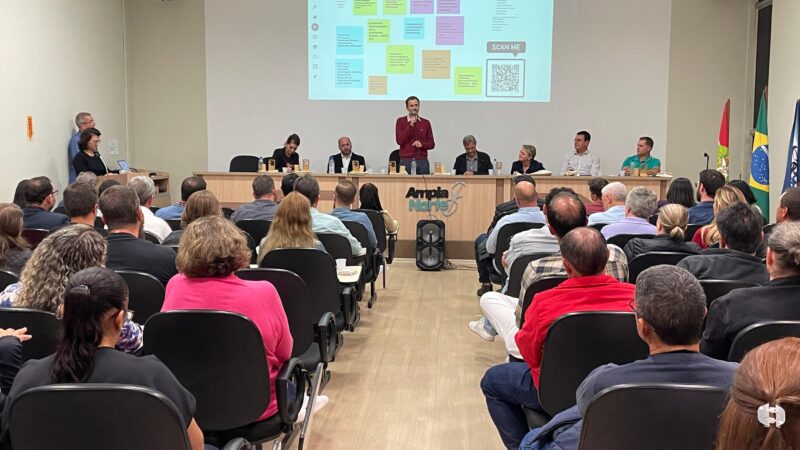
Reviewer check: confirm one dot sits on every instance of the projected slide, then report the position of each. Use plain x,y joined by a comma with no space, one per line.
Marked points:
456,50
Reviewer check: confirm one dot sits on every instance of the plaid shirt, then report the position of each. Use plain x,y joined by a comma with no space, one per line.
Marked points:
617,267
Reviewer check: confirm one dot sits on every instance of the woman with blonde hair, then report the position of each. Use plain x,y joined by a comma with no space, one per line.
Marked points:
764,404
527,161
708,235
14,250
291,227
200,204
670,230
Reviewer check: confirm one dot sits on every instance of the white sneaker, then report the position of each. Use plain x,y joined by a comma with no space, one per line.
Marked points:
477,327
319,403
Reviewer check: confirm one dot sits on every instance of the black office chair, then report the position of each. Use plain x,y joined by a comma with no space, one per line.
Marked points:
174,224
152,238
257,229
518,269
646,260
372,258
318,271
715,289
89,416
338,247
145,294
653,416
386,243
760,333
42,325
768,228
691,229
98,223
504,236
578,343
621,240
34,236
227,212
544,283
653,219
60,210
395,156
7,278
227,372
153,209
598,226
244,163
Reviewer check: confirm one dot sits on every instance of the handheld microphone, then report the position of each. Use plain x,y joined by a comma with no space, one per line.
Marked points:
706,156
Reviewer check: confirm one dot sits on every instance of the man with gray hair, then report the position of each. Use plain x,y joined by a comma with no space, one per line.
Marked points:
87,177
146,191
670,307
777,300
613,198
83,120
472,161
641,202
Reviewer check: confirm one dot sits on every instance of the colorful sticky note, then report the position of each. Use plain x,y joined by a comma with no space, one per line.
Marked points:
377,31
394,6
365,7
468,80
349,40
399,59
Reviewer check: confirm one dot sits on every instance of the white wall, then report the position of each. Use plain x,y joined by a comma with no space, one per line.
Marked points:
610,67
58,58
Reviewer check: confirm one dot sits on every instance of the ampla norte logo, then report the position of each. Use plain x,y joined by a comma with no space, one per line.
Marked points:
429,200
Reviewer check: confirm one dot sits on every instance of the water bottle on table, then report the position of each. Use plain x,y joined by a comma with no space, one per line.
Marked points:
331,165
413,167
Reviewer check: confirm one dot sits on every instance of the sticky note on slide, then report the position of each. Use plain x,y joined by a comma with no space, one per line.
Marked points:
414,28
449,7
365,7
377,31
349,73
378,85
468,80
349,40
421,6
399,59
449,30
394,6
436,64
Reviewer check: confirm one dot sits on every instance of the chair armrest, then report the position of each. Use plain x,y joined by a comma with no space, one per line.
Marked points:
291,372
326,336
391,244
347,300
238,444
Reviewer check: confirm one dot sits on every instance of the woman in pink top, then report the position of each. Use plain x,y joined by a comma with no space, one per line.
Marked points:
211,250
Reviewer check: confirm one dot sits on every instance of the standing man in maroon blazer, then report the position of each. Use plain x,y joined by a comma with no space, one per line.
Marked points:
415,137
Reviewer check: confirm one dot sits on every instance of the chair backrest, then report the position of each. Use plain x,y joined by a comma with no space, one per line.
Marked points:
653,219
767,229
227,212
244,163
174,224
295,300
84,416
518,269
145,294
42,325
691,229
34,236
715,289
621,239
646,260
152,238
7,277
653,416
378,225
598,226
761,333
225,370
257,229
318,271
98,223
60,210
578,343
337,246
544,283
504,236
359,232
395,156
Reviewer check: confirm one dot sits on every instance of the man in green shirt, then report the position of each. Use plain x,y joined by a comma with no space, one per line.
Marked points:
642,159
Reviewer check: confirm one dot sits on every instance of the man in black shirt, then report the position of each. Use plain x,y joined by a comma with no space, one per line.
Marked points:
40,198
121,213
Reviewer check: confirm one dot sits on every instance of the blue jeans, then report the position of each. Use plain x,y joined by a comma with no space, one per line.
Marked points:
507,387
423,166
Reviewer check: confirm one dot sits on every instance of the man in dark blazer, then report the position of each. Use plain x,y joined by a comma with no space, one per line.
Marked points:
472,161
345,157
40,197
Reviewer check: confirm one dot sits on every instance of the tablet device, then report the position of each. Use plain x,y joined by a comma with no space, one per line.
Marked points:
123,165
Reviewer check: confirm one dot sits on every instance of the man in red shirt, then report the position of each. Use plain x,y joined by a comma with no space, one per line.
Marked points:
509,386
414,135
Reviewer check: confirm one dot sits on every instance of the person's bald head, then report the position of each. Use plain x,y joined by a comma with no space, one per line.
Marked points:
345,146
525,194
565,212
584,251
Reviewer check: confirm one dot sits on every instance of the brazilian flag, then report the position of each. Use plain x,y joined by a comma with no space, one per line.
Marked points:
759,161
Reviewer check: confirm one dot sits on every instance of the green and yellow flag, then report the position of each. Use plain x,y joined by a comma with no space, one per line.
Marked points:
724,137
759,161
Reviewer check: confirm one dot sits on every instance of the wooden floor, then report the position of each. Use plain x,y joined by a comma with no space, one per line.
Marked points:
409,376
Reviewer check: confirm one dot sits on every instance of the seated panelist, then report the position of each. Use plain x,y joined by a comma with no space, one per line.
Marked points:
472,161
526,162
345,157
642,160
287,156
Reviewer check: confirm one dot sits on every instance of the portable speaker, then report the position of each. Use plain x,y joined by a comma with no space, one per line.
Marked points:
430,245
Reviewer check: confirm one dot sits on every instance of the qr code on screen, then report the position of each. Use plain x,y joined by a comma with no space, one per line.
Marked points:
506,78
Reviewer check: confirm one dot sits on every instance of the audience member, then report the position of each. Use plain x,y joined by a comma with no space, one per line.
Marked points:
472,161
287,157
777,300
708,235
788,206
343,161
749,197
681,192
146,191
11,356
207,280
343,197
40,197
95,308
19,194
509,386
83,120
641,202
670,308
87,177
14,249
189,186
509,207
703,212
291,227
324,223
740,235
764,402
526,161
200,204
486,245
614,196
263,206
580,161
105,185
596,186
287,183
123,217
369,198
80,202
670,229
